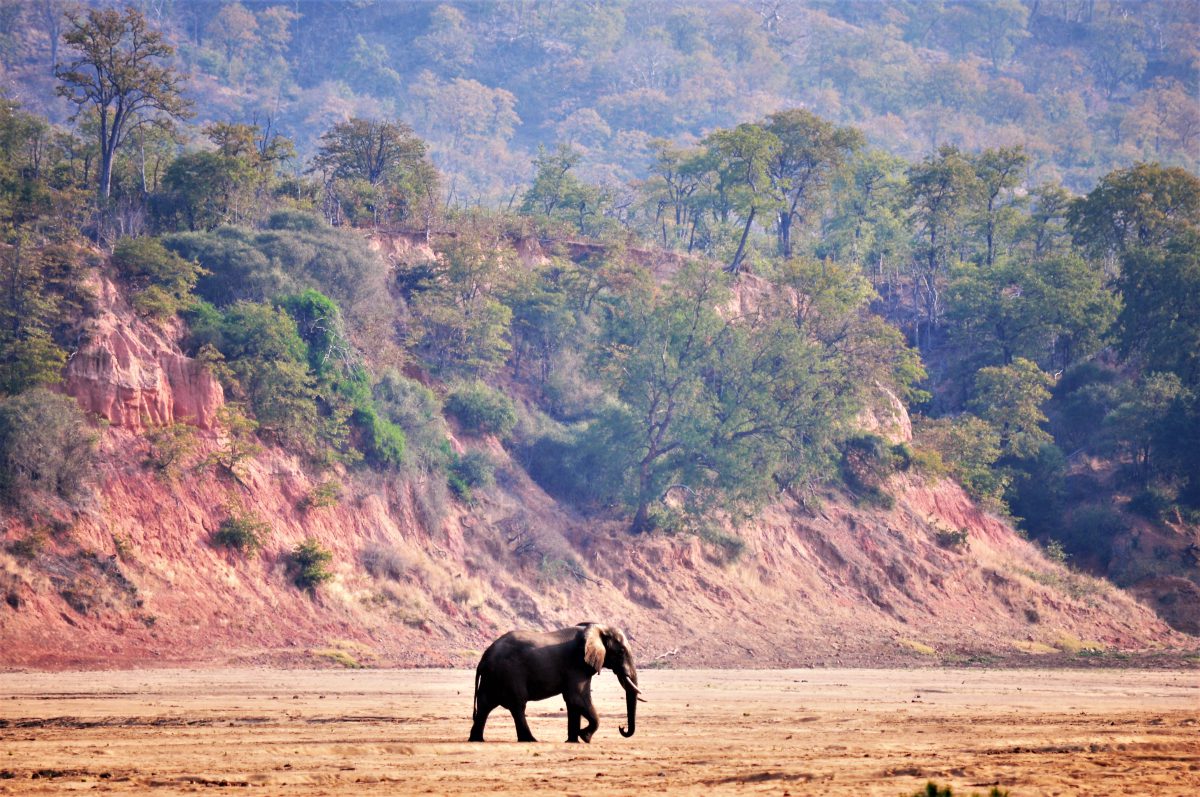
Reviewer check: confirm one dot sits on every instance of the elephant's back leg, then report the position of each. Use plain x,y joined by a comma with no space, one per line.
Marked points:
486,699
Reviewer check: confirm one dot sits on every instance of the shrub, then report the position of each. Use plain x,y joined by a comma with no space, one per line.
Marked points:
171,447
384,561
295,220
1054,551
1152,503
161,280
382,441
242,531
309,562
241,442
29,546
46,449
268,360
481,410
929,462
969,447
947,538
475,468
418,411
1091,531
867,461
327,493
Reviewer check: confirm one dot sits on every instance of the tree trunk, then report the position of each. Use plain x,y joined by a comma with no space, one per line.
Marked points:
736,265
785,233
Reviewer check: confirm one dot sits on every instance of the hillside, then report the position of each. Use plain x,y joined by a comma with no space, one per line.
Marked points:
136,579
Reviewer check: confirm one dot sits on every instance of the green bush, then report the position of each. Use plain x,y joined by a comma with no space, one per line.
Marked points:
1091,531
268,363
327,493
1153,503
382,441
47,450
160,279
171,447
954,540
473,469
481,410
417,410
295,220
867,462
308,562
242,531
970,448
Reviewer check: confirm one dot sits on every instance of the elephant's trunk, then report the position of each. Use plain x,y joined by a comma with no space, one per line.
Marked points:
628,680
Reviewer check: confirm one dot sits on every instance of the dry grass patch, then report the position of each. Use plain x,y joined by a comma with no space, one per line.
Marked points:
346,653
1032,647
1068,643
917,647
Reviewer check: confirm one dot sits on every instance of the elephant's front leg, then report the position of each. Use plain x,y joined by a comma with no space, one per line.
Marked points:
589,712
573,715
523,733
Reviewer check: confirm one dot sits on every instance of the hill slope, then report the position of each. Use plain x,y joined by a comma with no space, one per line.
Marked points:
137,580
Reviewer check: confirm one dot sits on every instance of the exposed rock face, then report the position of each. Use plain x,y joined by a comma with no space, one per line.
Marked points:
402,247
134,375
888,418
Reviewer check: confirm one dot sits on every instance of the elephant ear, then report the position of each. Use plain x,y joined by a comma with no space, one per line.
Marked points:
593,647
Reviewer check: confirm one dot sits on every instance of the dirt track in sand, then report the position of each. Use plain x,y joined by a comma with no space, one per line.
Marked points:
885,732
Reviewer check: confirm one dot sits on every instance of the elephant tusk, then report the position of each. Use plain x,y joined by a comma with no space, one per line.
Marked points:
642,699
631,686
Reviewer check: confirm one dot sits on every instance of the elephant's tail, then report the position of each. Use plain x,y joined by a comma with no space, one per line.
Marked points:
475,704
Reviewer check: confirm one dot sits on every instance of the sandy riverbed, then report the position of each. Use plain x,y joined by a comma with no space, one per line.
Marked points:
860,732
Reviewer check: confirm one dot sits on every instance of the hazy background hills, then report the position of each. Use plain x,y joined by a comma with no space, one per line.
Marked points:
1084,85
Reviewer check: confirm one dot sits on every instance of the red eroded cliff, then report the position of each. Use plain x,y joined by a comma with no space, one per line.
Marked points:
133,374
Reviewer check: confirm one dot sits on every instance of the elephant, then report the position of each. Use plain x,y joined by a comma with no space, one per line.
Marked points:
530,665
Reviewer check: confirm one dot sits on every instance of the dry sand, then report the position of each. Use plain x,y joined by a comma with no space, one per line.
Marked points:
846,732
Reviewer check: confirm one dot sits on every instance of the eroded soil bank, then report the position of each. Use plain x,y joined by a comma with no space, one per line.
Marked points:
862,732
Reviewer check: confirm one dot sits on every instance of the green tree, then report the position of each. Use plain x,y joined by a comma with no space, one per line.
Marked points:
866,225
1053,312
460,326
1160,314
730,409
1144,205
970,447
269,361
555,188
744,156
940,190
809,153
29,310
118,72
1010,398
385,157
1137,424
47,450
999,172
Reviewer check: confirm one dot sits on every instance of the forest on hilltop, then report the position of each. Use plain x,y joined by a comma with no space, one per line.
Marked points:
1019,264
1085,86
